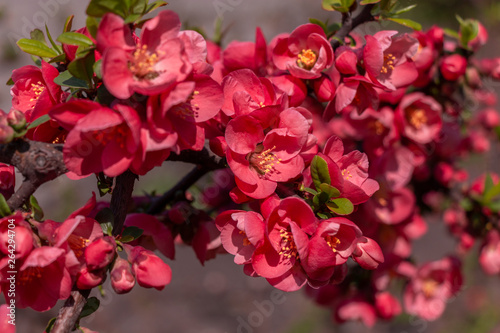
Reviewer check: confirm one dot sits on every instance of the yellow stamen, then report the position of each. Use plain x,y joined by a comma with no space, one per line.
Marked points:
306,59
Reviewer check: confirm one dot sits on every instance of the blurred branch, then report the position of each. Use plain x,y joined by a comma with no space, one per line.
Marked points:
349,24
120,199
70,312
38,162
205,162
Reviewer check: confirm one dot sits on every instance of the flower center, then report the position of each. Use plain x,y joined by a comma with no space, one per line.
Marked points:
306,59
263,161
117,134
143,63
346,174
28,275
246,242
388,63
428,287
332,242
187,110
288,247
37,89
377,127
416,117
77,244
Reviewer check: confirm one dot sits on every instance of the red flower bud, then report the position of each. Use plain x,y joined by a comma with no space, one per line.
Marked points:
150,271
16,119
452,67
89,279
100,252
122,279
368,254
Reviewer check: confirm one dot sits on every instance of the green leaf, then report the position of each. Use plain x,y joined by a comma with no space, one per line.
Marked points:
36,210
56,47
67,80
320,23
319,171
69,23
59,58
332,192
494,206
99,8
496,129
404,10
367,2
50,325
36,48
106,219
488,184
83,68
451,33
469,29
38,121
466,204
38,35
131,233
341,206
92,25
406,22
323,216
493,190
90,307
10,82
320,199
310,190
75,38
155,5
4,207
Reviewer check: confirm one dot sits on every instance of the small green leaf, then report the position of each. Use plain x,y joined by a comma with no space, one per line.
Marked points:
320,199
10,82
83,68
67,80
494,206
90,307
319,171
488,184
69,23
320,23
154,5
38,35
59,58
133,232
4,207
50,325
469,29
407,23
106,219
404,10
491,193
310,190
466,204
368,2
75,38
323,216
56,47
92,25
341,206
332,192
496,129
36,48
38,121
36,210
451,33
99,8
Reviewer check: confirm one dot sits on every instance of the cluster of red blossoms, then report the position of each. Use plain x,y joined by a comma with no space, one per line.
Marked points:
331,152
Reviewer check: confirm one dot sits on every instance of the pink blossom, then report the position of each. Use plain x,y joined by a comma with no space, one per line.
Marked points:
149,270
122,278
453,67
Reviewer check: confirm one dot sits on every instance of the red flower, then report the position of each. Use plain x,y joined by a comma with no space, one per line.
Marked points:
100,253
157,61
240,55
7,180
278,257
429,290
387,59
453,67
264,148
305,53
489,257
122,278
419,117
100,138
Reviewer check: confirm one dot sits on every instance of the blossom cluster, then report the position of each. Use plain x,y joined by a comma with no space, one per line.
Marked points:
333,149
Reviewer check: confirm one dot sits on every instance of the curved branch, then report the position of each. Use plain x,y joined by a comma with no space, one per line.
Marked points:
205,162
38,162
349,24
120,199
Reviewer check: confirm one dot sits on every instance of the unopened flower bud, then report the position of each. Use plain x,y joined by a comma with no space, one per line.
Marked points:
88,279
6,133
16,120
100,252
122,278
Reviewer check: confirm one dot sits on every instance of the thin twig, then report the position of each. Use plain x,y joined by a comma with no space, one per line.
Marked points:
349,24
120,199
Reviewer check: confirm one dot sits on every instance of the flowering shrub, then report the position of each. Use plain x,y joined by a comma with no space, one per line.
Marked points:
337,147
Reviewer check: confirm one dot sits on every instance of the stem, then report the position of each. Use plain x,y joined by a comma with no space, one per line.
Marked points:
70,312
205,162
349,23
120,199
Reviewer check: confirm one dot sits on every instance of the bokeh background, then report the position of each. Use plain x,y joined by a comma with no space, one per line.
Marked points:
218,297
